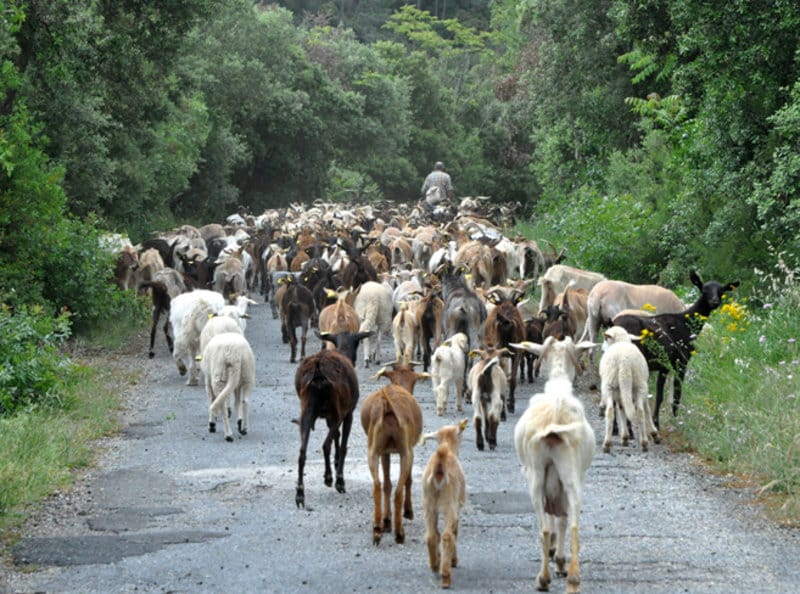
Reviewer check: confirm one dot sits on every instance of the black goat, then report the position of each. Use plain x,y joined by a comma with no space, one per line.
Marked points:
667,339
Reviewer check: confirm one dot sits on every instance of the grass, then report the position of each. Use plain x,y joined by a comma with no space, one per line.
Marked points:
42,447
741,403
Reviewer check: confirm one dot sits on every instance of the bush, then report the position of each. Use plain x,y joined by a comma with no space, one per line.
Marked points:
33,371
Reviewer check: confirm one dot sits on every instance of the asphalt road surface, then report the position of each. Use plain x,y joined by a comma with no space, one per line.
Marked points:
172,508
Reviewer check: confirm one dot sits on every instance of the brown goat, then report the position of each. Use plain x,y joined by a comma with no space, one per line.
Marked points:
297,308
503,326
444,491
392,420
429,324
327,386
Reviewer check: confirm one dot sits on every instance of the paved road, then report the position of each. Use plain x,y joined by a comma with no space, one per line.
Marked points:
172,508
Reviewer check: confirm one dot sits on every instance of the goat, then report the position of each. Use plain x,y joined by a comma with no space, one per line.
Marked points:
444,491
430,310
229,368
339,316
503,326
327,386
165,286
533,333
297,308
555,445
392,421
623,380
404,330
668,345
487,383
447,366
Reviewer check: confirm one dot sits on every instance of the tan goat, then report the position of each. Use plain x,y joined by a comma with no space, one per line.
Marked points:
444,491
338,317
392,420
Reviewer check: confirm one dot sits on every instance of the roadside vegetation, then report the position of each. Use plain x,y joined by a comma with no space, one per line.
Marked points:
647,139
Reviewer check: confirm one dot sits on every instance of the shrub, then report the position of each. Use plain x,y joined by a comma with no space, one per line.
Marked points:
33,371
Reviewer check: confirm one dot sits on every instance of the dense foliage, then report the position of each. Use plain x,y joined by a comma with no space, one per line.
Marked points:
646,137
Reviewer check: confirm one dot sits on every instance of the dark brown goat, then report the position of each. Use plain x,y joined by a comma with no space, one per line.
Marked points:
297,309
429,324
166,284
327,386
533,333
503,326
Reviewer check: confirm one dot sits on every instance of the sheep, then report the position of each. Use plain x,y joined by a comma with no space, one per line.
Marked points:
608,298
555,446
404,330
189,312
327,387
668,345
623,381
229,368
216,325
557,277
373,304
392,421
447,366
487,384
444,491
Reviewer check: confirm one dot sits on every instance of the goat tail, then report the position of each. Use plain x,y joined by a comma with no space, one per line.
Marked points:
439,475
557,433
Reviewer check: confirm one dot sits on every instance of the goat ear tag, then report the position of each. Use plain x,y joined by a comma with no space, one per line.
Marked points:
463,424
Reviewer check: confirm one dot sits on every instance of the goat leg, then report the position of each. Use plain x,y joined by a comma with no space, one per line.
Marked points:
478,434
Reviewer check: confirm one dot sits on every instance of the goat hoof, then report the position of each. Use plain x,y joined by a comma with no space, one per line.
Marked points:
376,535
408,514
480,446
300,498
181,368
229,438
212,427
503,415
542,584
606,448
511,408
328,480
656,438
446,582
151,354
340,485
400,538
387,526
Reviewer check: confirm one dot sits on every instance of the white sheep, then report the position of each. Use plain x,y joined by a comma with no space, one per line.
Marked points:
444,491
230,369
189,313
447,366
555,445
373,304
624,381
216,325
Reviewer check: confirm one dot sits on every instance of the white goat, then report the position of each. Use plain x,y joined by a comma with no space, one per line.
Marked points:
444,491
487,383
230,369
555,445
373,304
188,314
216,325
404,330
447,366
623,377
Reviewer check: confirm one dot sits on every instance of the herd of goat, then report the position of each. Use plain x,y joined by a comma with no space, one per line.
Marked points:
450,288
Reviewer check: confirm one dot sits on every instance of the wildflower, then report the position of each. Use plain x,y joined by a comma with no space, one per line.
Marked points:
762,339
791,340
767,306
